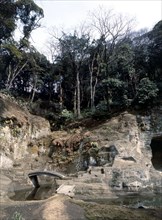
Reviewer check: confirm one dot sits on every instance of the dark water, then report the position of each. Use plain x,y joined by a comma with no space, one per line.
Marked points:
44,192
134,201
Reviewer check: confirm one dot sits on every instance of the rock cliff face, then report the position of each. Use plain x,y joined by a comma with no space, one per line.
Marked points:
129,147
129,156
138,140
17,129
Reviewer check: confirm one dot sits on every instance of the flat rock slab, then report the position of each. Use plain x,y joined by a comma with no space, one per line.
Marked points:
66,190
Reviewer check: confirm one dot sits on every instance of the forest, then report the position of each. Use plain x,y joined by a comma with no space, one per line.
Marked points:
100,69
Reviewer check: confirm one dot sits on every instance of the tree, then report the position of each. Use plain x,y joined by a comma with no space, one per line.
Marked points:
29,14
12,13
7,19
17,60
73,51
14,53
141,53
96,66
155,52
147,91
112,29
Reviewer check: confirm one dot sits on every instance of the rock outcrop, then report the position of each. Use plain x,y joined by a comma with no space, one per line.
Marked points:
129,153
126,150
18,128
133,167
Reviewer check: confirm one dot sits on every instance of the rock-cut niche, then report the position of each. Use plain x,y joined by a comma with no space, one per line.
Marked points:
156,146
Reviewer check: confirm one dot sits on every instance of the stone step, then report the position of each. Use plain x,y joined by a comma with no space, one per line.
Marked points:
66,190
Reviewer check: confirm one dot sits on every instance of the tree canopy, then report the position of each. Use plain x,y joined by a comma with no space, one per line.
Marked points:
118,69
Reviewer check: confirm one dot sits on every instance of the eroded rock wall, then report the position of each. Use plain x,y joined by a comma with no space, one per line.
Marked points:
131,134
17,129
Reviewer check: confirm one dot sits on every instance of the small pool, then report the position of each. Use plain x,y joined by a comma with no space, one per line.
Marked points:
44,192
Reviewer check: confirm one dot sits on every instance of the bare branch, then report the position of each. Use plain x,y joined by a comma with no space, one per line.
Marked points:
110,25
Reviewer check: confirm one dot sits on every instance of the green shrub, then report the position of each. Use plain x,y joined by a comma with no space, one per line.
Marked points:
147,91
67,115
17,216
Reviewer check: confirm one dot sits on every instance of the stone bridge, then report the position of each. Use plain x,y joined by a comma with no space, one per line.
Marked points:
34,176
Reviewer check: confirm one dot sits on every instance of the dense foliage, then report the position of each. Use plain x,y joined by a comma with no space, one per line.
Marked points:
117,70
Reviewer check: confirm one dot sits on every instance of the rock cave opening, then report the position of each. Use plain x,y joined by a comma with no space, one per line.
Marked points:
156,146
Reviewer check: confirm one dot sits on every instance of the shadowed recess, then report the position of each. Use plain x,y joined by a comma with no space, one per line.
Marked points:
156,146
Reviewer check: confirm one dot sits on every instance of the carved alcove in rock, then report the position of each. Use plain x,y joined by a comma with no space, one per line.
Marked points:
156,146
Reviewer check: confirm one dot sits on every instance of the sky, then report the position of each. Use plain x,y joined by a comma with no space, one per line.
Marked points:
68,14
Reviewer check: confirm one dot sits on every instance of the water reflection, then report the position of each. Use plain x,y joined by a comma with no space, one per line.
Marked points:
44,192
134,201
32,195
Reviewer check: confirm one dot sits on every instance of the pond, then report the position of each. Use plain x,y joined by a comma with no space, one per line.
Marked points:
132,200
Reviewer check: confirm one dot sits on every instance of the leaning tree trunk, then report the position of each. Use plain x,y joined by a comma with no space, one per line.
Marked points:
13,73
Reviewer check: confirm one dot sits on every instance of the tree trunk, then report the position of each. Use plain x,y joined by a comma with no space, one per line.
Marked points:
12,74
75,103
91,89
61,97
91,85
94,91
8,77
34,89
78,95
